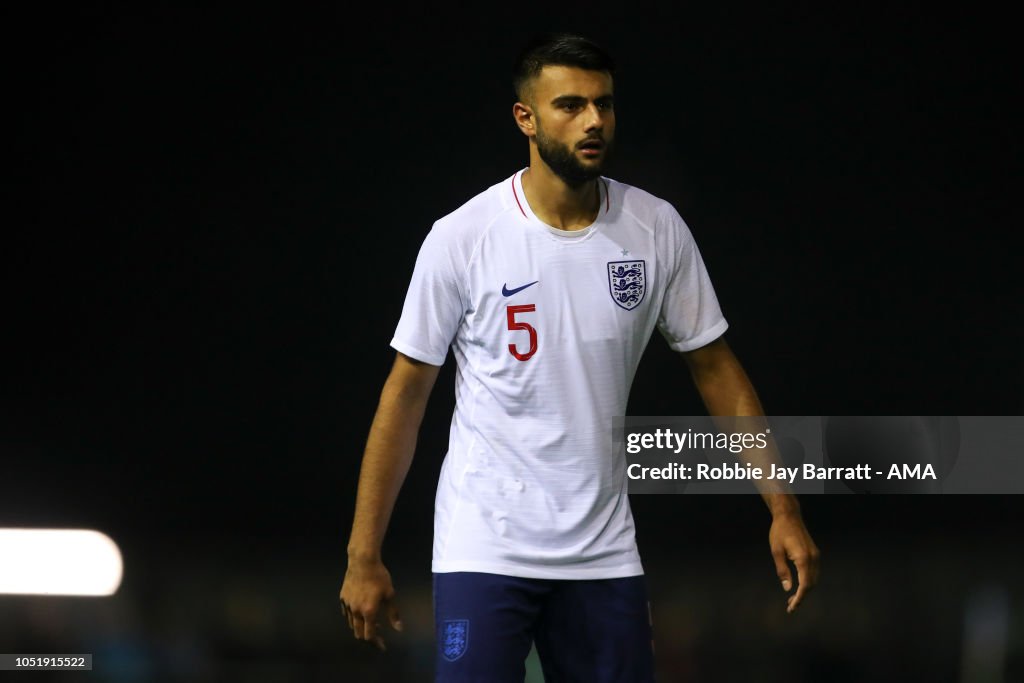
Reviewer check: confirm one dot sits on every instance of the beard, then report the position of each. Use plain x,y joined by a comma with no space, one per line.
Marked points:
563,162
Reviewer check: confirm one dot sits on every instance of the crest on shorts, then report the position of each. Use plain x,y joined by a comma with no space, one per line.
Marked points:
455,638
627,282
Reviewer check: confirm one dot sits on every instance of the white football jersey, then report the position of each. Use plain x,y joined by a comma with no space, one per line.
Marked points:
547,327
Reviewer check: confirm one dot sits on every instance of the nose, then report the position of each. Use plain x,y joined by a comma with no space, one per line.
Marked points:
595,118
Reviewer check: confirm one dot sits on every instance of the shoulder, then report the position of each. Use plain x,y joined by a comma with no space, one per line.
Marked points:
469,222
454,238
655,213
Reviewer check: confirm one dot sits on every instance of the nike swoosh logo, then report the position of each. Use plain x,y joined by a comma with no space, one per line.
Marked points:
505,291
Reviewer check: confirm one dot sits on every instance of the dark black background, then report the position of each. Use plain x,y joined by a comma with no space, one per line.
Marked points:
212,215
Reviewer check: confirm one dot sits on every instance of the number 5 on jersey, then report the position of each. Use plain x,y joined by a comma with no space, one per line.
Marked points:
514,325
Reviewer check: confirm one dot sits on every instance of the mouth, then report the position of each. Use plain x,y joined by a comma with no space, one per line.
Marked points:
591,148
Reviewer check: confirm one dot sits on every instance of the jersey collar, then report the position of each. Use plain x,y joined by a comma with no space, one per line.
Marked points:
523,207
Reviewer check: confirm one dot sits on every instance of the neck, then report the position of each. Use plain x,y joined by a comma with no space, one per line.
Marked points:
558,204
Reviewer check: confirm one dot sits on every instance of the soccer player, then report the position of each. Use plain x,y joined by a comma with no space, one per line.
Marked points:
547,287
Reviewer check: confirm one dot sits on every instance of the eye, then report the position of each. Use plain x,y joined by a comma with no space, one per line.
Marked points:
570,106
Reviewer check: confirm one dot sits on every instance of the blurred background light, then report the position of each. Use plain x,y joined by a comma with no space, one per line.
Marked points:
59,562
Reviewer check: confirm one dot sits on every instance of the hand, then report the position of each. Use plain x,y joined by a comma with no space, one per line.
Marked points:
366,594
789,540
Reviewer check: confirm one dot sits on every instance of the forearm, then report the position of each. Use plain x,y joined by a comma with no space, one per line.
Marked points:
728,392
389,452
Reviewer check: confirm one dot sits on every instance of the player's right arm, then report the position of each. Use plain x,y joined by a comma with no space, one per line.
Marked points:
367,592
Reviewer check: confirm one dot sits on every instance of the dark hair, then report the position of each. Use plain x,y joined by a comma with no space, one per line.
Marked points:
558,49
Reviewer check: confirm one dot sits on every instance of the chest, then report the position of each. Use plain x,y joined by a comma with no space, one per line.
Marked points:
530,293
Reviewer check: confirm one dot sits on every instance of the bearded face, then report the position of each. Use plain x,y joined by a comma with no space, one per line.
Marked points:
575,163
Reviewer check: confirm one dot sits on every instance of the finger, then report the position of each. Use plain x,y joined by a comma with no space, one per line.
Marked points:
795,599
372,635
370,627
782,568
393,617
807,568
813,567
348,614
358,626
806,574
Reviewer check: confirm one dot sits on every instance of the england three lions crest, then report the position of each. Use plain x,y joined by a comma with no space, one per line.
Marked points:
455,639
627,282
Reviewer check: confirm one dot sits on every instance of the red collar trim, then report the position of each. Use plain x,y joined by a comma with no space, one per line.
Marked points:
516,195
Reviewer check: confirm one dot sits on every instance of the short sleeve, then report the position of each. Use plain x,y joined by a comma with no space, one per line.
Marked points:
690,316
433,308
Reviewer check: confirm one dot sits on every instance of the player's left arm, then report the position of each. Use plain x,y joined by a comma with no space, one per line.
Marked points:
726,390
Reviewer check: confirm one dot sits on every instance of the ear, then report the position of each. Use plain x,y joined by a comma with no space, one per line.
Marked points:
525,118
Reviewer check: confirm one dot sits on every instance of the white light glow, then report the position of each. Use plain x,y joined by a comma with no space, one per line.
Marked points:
59,562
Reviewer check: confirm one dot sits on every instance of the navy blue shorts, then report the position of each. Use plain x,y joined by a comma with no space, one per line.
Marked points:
597,631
